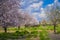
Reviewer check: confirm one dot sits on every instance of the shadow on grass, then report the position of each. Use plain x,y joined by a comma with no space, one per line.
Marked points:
24,34
16,35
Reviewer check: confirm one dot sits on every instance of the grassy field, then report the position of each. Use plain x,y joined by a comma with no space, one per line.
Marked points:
28,33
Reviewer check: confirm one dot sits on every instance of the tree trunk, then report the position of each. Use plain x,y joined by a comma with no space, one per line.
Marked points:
5,29
54,28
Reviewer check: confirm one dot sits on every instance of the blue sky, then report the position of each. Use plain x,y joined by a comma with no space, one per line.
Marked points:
37,7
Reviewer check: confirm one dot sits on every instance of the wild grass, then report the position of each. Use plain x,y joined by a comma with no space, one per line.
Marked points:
28,32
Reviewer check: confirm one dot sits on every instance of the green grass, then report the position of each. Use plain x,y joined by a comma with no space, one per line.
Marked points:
44,35
5,36
28,32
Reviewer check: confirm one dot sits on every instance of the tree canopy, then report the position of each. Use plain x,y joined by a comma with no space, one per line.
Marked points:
11,15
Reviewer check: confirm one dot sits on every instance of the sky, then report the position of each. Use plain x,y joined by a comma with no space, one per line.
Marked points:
36,8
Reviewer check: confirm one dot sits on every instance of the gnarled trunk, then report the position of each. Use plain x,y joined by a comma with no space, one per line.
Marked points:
54,28
5,29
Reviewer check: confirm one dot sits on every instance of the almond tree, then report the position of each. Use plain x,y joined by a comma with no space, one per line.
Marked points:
9,13
30,20
54,15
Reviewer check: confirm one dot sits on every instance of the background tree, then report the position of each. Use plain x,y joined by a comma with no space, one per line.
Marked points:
43,22
53,15
30,20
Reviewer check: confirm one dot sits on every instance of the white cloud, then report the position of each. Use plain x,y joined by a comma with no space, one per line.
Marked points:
35,0
35,14
55,1
36,5
30,1
22,3
41,9
42,15
50,4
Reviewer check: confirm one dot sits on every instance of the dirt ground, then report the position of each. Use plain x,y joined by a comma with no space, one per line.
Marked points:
54,36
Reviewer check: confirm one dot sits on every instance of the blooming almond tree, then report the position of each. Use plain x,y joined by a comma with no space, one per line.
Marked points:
53,14
30,20
9,13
